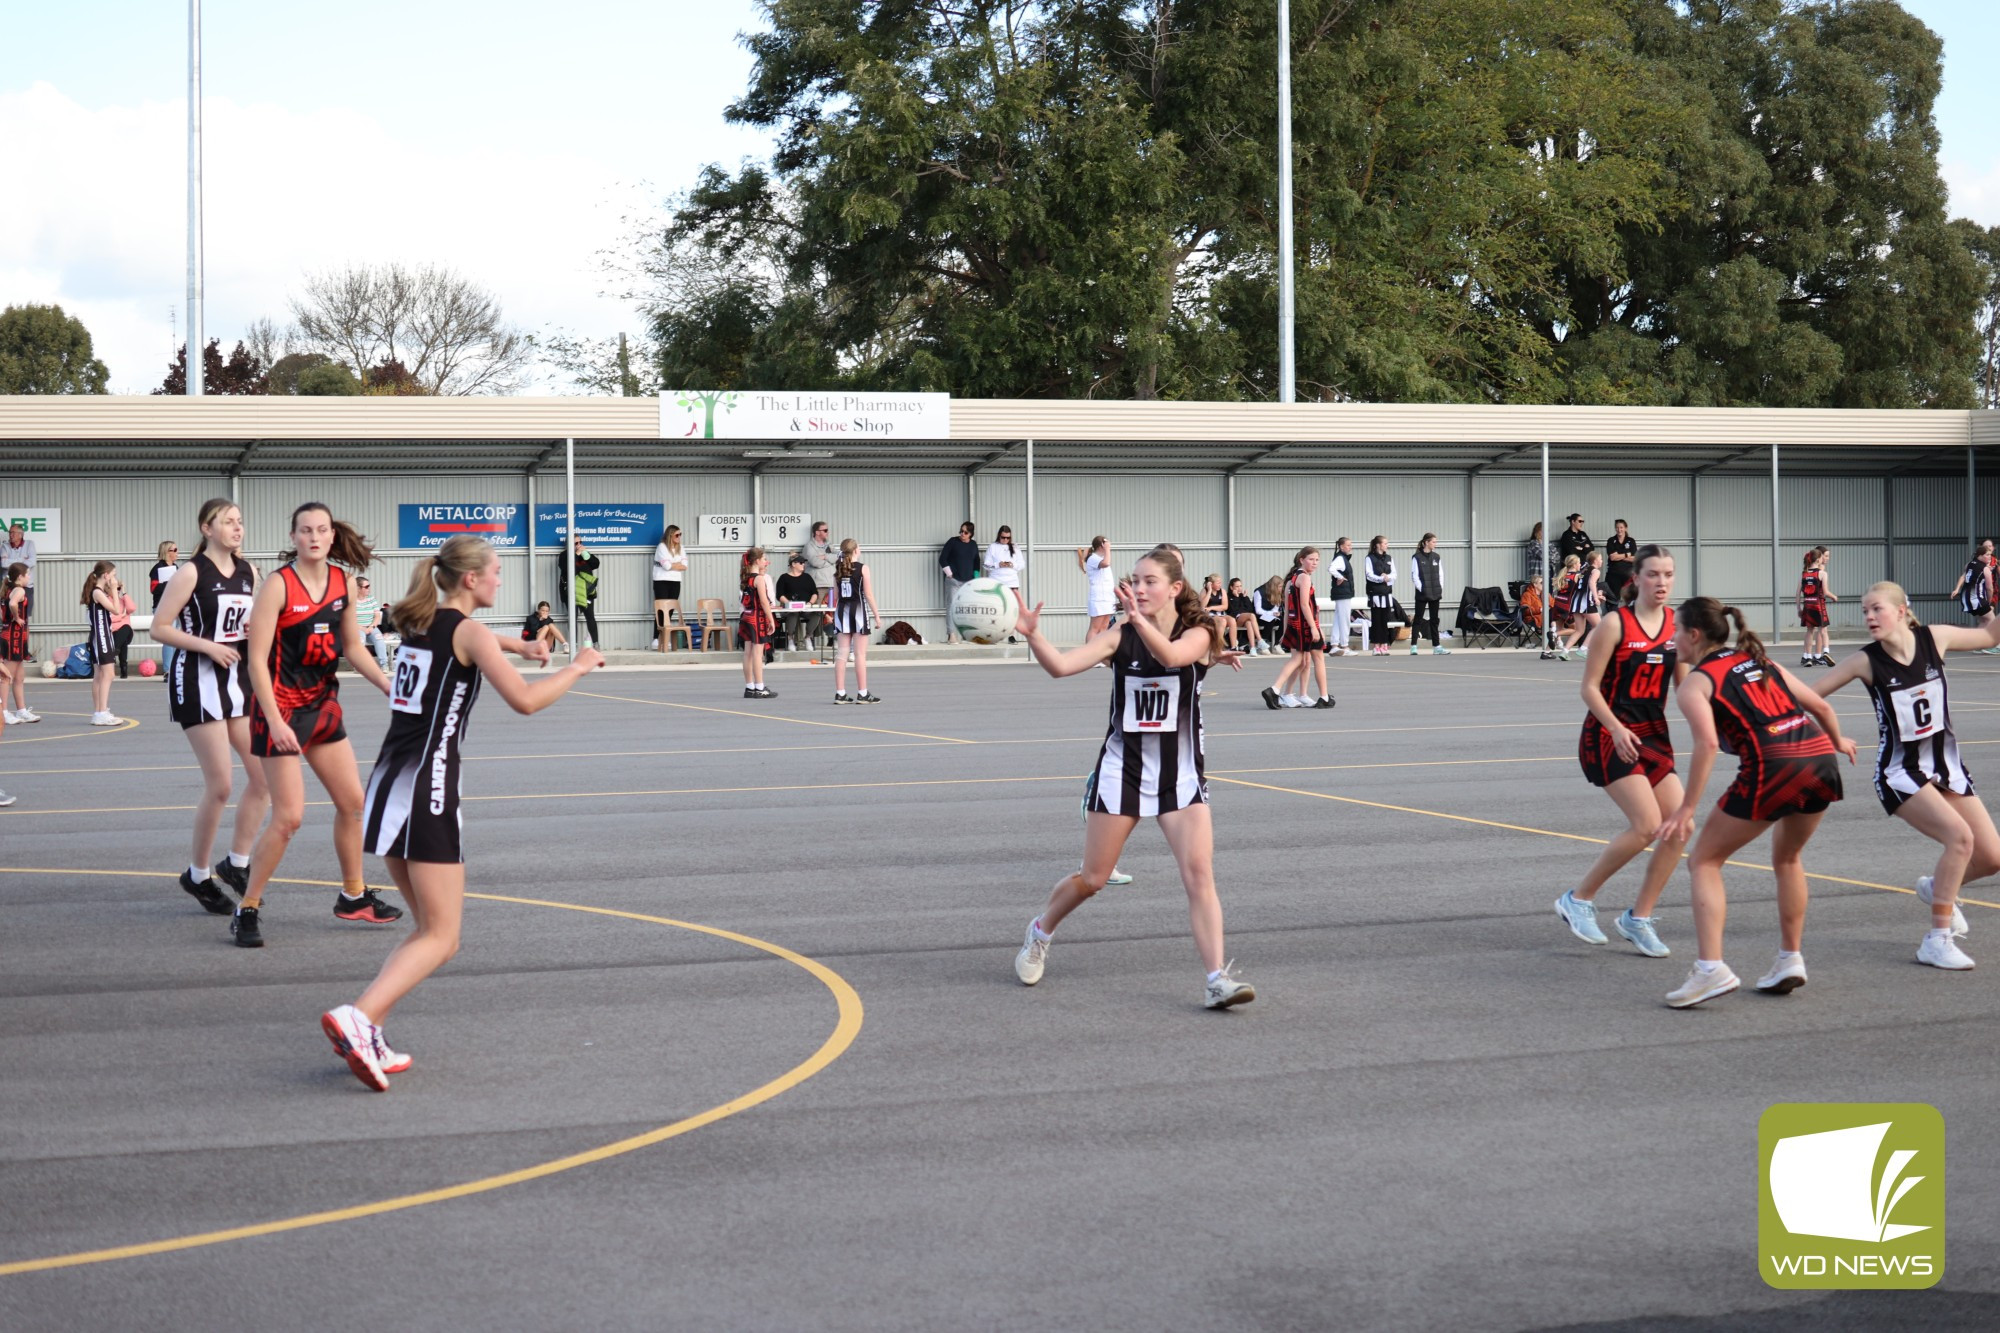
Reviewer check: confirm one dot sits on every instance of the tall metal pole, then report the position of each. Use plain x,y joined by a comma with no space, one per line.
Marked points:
1548,565
1971,499
1775,575
1028,533
568,561
1287,368
195,340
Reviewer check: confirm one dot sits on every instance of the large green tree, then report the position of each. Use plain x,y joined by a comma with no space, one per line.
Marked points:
1657,201
43,350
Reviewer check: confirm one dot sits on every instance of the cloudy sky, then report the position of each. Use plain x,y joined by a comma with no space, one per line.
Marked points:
509,139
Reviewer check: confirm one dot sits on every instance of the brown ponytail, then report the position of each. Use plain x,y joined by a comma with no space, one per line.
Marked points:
435,574
1189,613
1712,620
844,567
349,547
743,572
97,572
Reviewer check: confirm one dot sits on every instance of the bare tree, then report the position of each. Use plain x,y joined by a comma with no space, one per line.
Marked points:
445,328
269,343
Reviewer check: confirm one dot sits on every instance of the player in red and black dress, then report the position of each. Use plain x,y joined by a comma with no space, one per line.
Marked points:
1300,636
1812,600
1785,737
1626,749
758,622
301,624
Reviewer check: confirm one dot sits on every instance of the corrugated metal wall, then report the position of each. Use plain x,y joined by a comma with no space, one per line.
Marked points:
902,518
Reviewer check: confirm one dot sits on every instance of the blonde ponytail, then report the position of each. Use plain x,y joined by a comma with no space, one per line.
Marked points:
435,575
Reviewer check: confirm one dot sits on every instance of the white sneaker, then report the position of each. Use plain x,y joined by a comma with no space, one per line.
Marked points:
1786,975
5,799
353,1038
1034,955
392,1061
9,715
1958,925
1702,985
106,719
1226,990
1940,950
654,646
27,715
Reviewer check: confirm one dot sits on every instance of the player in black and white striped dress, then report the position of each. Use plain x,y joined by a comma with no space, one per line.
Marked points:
1919,774
412,805
1151,760
854,616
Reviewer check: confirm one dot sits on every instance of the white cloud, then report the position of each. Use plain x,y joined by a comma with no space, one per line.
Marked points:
1975,189
98,216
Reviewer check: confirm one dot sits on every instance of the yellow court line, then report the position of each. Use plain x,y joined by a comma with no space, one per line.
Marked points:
1552,833
845,1030
124,724
770,717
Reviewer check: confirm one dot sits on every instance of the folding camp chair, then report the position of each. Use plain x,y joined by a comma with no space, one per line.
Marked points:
1483,617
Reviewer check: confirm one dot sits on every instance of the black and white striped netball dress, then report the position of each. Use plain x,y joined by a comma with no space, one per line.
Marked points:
103,643
1913,723
200,689
1151,763
412,806
850,606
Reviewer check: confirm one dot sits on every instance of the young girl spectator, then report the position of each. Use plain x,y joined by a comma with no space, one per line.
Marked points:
1005,561
1533,606
1242,615
1102,583
1380,569
758,621
1340,570
1268,604
1920,776
1568,626
1150,764
1216,602
203,618
121,624
413,807
101,597
301,624
541,627
854,616
670,564
1784,737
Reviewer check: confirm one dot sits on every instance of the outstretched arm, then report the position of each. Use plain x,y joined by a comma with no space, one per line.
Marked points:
1058,662
475,645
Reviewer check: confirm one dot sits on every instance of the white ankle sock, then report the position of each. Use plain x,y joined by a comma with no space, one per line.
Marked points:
240,862
1708,964
1787,955
199,874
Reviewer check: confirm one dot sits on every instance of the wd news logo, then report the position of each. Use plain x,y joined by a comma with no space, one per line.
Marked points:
1851,1195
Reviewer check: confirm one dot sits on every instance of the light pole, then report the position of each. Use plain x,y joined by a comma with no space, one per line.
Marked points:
195,344
1287,370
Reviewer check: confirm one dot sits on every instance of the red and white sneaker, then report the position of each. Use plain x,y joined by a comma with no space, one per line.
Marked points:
392,1061
354,1038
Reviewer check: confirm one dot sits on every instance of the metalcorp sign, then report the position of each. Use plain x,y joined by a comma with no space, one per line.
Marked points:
427,527
825,416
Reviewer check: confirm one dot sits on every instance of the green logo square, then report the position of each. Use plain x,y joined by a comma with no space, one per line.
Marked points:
1850,1195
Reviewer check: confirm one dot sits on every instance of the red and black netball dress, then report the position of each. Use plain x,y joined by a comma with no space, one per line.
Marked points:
1788,762
1635,684
1812,599
304,655
757,623
14,629
1300,633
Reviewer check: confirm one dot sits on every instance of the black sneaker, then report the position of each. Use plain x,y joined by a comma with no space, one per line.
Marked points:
234,877
244,927
867,699
207,894
839,698
1271,698
367,908
1325,701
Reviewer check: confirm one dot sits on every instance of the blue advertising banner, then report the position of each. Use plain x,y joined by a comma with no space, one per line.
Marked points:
425,527
601,525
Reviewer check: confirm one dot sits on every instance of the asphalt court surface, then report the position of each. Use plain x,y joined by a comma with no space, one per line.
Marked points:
1441,1110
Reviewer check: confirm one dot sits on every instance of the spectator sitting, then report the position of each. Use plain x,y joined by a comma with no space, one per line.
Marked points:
1267,603
1243,616
542,626
368,616
1529,613
795,585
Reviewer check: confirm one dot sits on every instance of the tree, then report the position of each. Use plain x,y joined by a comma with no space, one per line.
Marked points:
43,350
1983,243
449,332
284,374
241,374
327,379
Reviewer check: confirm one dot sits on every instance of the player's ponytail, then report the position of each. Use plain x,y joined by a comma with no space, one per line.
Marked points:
1893,591
435,575
844,567
97,573
1299,561
349,547
747,571
1712,620
208,513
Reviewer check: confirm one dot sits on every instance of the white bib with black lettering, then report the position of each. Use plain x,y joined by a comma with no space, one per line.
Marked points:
232,617
1919,709
406,686
1152,703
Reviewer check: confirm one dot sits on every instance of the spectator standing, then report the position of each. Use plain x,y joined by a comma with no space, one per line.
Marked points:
157,579
1095,562
819,561
795,585
1538,554
1618,566
1004,562
20,551
541,625
121,625
1341,590
1380,570
583,588
1427,589
1575,541
959,563
670,564
368,617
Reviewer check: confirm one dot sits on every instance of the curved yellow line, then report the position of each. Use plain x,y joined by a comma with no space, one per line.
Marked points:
844,1032
125,724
